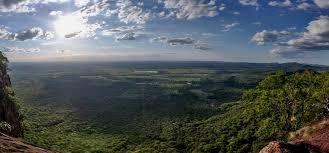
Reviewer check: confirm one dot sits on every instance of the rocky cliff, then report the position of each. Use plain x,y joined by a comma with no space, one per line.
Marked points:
10,120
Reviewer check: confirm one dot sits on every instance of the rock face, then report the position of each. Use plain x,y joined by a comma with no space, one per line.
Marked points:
14,145
310,139
10,119
283,147
8,110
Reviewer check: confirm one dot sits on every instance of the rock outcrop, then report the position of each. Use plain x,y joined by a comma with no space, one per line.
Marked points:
14,145
310,139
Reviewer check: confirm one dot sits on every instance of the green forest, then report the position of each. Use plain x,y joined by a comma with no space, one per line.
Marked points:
167,107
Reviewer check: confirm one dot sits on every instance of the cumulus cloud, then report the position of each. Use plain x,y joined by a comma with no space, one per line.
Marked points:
33,33
191,9
263,37
314,39
285,3
93,8
304,6
322,3
229,27
249,2
180,41
128,12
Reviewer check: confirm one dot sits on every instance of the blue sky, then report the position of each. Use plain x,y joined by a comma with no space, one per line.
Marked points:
204,30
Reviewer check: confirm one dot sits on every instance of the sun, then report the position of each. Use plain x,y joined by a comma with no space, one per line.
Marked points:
69,25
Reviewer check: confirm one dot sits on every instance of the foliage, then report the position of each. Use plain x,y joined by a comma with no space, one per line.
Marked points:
182,108
4,126
281,103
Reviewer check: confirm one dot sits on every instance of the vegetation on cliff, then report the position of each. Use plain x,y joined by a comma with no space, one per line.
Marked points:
281,103
10,119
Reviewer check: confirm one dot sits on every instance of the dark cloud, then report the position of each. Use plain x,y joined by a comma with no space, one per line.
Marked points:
71,35
33,33
201,46
249,2
181,41
29,34
9,3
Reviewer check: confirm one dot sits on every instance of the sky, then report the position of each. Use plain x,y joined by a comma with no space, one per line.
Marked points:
166,30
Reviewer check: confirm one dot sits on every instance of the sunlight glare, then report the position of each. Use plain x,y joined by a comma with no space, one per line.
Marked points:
68,25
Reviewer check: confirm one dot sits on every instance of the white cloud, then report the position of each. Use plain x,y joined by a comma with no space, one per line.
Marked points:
81,3
315,38
6,35
236,13
229,27
191,9
93,8
122,30
285,3
17,49
249,2
130,13
322,3
126,36
222,7
304,6
55,13
261,38
159,39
